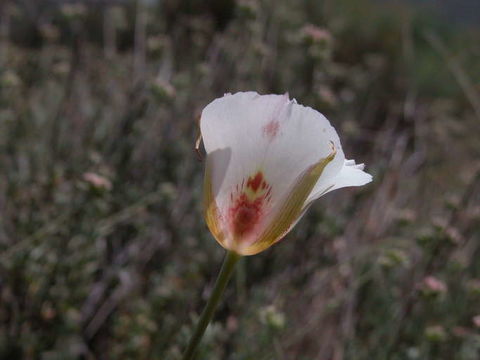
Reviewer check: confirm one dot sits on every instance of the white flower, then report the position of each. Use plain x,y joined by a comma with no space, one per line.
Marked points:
268,159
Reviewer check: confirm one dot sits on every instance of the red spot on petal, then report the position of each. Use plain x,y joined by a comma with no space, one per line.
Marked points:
248,205
271,129
245,214
255,182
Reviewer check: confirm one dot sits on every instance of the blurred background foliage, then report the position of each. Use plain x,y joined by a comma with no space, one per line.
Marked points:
104,253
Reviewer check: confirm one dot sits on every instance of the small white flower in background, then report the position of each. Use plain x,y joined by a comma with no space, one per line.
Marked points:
476,321
268,159
433,285
97,181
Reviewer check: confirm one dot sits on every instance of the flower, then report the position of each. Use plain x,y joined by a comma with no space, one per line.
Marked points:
315,34
433,286
268,159
476,321
436,333
97,181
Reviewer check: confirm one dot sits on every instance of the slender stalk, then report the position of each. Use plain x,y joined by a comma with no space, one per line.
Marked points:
241,281
226,271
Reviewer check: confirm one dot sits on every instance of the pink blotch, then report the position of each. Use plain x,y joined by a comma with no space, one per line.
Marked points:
255,182
271,129
245,214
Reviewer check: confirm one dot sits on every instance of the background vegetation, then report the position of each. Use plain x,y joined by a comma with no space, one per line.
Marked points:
104,253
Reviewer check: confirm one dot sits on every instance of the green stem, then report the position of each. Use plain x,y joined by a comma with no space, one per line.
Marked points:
222,280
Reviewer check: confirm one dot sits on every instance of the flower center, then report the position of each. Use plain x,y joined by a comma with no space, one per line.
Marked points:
247,204
244,215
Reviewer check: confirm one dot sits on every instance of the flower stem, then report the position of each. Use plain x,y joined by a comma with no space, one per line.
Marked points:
226,271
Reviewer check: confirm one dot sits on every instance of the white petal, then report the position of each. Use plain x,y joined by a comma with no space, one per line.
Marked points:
248,133
350,175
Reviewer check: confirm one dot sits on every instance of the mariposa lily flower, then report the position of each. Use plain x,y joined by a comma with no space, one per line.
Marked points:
268,159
